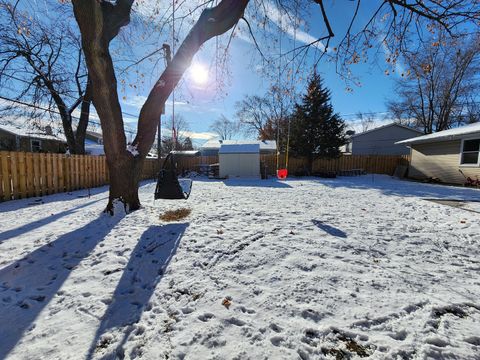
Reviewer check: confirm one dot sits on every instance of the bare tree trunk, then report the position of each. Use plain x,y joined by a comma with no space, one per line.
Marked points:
83,122
99,23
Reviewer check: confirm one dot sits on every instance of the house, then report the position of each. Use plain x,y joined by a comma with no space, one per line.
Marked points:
445,155
18,137
94,137
212,147
239,160
382,140
94,143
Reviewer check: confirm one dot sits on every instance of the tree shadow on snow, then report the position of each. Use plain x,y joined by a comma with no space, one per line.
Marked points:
269,183
39,201
330,229
147,264
42,222
28,284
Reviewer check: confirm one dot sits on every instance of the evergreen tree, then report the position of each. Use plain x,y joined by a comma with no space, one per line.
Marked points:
187,144
316,131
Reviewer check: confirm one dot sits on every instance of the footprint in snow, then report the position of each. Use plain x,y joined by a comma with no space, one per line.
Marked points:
277,340
244,310
313,315
205,317
398,335
235,321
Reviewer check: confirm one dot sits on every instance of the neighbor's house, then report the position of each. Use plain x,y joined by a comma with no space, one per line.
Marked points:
19,138
446,154
212,147
381,140
239,160
94,143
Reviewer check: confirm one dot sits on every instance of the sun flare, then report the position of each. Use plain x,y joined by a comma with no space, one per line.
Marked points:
199,74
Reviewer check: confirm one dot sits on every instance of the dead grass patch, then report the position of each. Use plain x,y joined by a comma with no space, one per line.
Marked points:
175,215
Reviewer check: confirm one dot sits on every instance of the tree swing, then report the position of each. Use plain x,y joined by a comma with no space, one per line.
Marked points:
168,186
283,172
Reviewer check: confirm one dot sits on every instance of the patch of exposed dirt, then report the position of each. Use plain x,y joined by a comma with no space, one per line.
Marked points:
175,215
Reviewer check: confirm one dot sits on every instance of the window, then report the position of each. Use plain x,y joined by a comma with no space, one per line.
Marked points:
470,152
36,145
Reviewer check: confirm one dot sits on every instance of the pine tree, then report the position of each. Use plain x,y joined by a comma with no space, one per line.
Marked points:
316,131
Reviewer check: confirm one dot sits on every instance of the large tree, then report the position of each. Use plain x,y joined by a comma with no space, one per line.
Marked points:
43,66
224,127
100,21
440,85
316,130
267,117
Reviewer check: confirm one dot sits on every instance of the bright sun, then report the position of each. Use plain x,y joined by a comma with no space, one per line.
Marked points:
199,74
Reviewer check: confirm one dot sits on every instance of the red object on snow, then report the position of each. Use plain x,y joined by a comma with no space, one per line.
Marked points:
282,174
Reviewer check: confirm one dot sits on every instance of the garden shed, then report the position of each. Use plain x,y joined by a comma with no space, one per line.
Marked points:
239,160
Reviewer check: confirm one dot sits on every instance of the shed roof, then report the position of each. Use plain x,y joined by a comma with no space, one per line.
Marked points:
239,149
270,145
445,135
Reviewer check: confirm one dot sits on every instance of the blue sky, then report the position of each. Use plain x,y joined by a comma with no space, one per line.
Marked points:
201,104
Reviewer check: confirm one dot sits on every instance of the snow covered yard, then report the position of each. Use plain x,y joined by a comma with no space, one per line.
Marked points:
304,269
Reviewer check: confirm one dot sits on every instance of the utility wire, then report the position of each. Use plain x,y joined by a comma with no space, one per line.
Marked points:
67,95
52,111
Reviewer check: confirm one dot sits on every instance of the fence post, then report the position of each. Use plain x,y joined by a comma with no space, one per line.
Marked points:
7,193
1,179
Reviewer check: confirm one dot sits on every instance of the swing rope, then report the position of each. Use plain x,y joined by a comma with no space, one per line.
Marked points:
292,82
174,132
278,93
283,173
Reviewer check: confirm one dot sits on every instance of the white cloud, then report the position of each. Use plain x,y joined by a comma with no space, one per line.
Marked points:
199,135
191,134
284,22
399,67
137,102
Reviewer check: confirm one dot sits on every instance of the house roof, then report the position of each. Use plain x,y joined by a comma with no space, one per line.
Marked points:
93,148
185,152
386,126
239,149
445,135
23,130
95,134
270,145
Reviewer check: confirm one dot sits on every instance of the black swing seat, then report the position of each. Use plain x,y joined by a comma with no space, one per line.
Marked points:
168,186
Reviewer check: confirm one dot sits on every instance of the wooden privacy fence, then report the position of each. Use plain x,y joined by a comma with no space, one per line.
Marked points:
25,175
194,163
377,164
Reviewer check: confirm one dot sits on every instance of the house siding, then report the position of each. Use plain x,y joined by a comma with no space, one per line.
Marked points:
440,160
11,142
7,141
382,141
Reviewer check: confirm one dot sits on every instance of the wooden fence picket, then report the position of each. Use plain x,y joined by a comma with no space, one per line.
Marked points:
1,180
22,177
7,187
14,175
